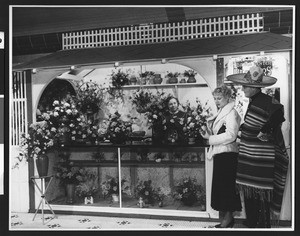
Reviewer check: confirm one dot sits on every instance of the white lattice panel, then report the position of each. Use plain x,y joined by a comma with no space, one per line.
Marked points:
155,33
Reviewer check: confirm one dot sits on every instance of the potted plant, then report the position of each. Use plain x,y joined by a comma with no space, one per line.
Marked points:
172,77
118,129
160,194
146,77
188,191
34,145
190,75
68,174
110,188
142,99
68,121
196,117
144,191
88,188
89,97
155,115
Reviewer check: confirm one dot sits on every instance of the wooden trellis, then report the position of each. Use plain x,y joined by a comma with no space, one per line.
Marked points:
156,33
18,107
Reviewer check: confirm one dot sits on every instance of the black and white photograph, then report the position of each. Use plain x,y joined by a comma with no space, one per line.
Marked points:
151,118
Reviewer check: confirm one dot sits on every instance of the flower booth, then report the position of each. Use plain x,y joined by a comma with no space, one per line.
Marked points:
103,128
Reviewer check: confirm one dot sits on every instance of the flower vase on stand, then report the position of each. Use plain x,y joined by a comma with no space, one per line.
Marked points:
42,164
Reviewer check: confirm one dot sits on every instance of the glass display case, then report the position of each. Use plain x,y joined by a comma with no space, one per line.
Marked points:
144,175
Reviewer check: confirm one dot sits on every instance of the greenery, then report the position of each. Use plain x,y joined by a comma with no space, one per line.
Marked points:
161,193
196,117
142,99
89,96
89,185
156,109
119,78
145,190
189,73
147,74
66,172
111,186
189,192
118,129
41,138
172,74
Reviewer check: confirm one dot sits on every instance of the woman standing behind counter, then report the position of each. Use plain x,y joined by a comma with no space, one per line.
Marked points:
174,121
221,134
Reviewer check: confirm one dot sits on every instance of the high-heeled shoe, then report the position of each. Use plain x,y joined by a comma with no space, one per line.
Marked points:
229,225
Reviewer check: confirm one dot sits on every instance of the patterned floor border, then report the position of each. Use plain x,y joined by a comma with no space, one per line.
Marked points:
24,221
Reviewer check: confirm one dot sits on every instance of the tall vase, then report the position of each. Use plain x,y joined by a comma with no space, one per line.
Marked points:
157,135
70,190
42,164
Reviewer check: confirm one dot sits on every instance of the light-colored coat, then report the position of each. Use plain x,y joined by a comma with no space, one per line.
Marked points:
225,142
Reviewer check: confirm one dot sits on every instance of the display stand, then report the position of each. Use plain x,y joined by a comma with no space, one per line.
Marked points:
42,189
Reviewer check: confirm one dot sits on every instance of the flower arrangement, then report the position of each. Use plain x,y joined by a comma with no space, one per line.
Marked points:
119,79
146,76
66,118
156,109
161,193
196,118
89,186
89,96
172,74
189,73
189,192
142,99
86,190
145,190
67,172
40,138
118,130
111,186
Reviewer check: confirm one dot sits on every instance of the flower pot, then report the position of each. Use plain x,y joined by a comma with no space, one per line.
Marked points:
42,164
133,80
70,190
191,79
143,80
157,79
173,80
182,81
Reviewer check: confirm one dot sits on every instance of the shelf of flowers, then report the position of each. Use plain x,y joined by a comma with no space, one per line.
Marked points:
164,85
183,164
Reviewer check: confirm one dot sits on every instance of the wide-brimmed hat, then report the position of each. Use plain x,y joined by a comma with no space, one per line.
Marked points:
253,78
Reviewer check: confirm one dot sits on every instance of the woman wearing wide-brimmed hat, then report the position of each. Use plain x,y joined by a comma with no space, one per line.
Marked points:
262,160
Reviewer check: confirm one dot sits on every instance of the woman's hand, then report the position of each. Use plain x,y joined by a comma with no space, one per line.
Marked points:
204,132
